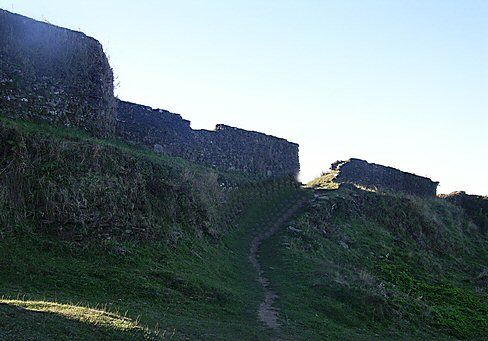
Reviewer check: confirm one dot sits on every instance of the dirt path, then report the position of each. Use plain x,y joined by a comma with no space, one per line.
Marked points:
266,313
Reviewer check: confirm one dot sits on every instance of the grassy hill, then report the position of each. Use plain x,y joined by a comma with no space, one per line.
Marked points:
358,264
103,240
68,183
201,289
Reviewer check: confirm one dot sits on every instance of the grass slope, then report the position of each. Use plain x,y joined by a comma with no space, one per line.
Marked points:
63,181
198,290
40,320
102,240
366,265
186,276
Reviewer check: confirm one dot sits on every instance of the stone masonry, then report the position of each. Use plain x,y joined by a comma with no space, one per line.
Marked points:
226,147
49,73
371,175
54,74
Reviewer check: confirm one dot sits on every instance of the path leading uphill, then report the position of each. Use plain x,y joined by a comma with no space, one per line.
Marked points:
266,313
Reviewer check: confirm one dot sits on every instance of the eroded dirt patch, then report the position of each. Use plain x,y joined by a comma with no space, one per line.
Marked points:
266,312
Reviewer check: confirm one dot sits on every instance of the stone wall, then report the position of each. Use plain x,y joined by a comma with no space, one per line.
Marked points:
63,77
225,147
54,74
371,175
154,128
475,207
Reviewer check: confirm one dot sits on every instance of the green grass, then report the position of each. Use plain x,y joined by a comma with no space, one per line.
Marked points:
368,265
41,320
103,240
64,182
105,224
201,289
77,135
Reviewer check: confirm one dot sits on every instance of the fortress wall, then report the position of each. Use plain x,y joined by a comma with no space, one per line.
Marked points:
54,74
226,147
372,175
49,73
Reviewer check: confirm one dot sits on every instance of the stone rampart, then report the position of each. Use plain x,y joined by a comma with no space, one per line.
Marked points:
54,74
49,73
226,147
371,175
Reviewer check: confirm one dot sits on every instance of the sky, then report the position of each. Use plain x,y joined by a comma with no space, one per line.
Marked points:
400,83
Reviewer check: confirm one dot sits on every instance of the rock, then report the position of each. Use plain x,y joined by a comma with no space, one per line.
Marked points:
348,186
293,229
158,148
120,251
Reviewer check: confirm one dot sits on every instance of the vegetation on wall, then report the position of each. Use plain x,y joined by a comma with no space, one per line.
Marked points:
63,181
186,274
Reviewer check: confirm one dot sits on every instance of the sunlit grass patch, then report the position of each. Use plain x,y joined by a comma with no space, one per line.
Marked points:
99,317
325,181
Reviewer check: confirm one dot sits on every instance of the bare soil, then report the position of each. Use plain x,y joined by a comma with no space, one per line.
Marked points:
266,312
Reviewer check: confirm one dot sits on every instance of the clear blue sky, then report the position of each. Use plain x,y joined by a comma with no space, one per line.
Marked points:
402,83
